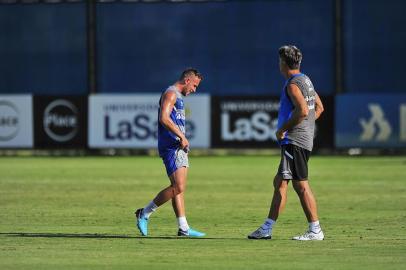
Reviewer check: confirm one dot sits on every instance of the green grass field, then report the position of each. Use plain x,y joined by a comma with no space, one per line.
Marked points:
77,213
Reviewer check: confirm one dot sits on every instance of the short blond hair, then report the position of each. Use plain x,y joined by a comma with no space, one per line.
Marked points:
189,72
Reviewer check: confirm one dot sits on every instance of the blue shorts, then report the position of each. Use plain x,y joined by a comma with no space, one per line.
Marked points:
175,159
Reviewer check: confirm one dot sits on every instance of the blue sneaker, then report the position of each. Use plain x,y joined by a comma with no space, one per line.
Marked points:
261,233
142,222
190,233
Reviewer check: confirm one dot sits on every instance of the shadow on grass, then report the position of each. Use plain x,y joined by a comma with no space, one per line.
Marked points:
107,236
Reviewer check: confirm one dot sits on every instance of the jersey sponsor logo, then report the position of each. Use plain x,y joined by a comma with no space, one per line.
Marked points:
309,84
377,127
310,98
180,114
310,102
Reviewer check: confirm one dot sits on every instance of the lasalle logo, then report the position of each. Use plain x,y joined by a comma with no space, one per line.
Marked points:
248,120
260,127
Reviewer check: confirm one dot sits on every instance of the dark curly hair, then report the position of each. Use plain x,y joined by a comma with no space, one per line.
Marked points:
291,55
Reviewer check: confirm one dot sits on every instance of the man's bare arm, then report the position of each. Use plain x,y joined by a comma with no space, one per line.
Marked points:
167,103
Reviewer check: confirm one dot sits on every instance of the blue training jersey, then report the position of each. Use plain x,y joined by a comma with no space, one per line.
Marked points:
167,140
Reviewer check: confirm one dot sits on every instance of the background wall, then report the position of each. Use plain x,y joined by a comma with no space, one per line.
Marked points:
43,49
374,44
142,47
60,52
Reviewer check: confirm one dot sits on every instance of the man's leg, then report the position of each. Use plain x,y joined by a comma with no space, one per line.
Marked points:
307,199
279,197
175,190
178,205
309,206
178,185
277,205
178,202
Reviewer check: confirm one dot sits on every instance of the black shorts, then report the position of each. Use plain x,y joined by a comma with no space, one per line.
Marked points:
293,164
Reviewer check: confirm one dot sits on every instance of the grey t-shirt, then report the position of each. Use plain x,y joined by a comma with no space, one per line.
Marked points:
302,134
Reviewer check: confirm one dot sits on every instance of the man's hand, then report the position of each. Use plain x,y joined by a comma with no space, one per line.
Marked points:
280,135
184,144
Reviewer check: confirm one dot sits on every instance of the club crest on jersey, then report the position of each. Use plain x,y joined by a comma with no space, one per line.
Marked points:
179,104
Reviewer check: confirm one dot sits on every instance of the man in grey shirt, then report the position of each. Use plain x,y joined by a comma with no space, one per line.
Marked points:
300,106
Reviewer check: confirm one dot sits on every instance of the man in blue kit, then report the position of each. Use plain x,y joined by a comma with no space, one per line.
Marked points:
300,106
173,148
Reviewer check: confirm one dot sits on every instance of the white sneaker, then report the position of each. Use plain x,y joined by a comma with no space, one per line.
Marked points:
310,235
261,233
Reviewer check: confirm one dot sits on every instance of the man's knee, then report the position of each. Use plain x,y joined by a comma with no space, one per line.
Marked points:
178,181
300,187
279,183
178,188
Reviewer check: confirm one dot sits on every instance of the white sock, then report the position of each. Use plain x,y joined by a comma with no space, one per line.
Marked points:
315,226
268,224
183,223
149,209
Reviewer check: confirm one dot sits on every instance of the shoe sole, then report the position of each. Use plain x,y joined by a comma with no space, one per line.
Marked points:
262,238
308,239
190,236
